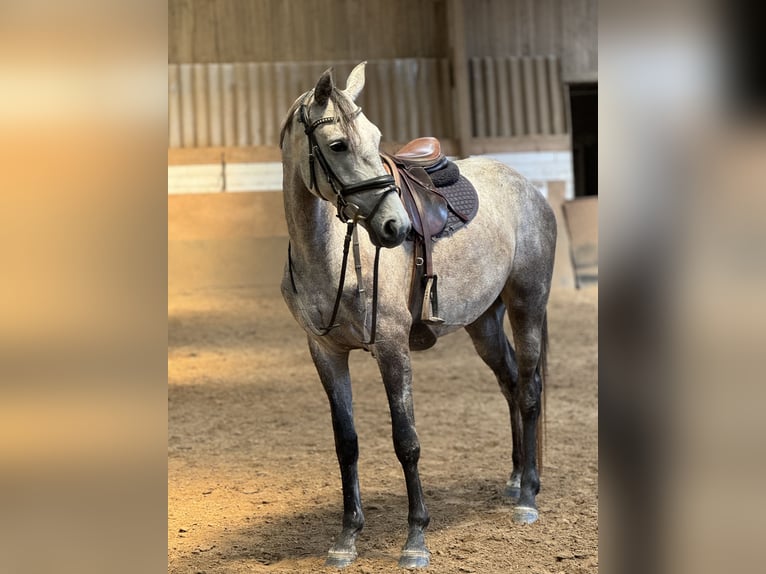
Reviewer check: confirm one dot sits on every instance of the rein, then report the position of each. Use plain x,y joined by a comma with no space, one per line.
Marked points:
348,213
350,231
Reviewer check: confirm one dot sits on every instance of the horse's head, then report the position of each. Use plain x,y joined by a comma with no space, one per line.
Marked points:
336,149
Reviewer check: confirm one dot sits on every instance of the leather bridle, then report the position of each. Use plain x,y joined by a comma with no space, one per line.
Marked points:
347,211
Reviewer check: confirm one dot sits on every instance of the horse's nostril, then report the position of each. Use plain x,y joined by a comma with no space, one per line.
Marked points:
391,233
390,228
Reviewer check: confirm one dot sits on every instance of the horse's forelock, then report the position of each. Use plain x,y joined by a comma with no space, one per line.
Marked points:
345,112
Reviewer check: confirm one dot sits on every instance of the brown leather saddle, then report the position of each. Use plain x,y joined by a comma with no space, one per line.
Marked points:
439,201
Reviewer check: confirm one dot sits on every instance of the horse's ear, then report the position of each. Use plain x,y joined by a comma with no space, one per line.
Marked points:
323,88
355,81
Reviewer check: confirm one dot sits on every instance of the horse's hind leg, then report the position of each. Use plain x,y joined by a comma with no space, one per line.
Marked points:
493,347
526,311
334,374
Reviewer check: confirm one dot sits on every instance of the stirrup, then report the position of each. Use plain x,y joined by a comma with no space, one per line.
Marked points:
430,308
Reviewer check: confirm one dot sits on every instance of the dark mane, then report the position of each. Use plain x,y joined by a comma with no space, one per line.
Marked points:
345,112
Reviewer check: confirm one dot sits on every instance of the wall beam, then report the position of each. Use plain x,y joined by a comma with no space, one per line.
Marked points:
459,64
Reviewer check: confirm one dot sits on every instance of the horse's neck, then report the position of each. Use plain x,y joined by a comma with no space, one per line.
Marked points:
311,223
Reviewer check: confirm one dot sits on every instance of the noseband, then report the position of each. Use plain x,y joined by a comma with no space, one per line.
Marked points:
347,211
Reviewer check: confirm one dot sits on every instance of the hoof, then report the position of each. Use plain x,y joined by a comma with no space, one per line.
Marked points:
525,514
414,559
340,558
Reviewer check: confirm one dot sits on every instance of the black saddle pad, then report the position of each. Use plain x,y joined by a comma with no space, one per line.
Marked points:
460,194
462,197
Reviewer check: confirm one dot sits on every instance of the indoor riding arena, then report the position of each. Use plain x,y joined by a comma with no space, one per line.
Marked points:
253,479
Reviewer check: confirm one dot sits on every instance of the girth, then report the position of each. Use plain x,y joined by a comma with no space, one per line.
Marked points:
430,208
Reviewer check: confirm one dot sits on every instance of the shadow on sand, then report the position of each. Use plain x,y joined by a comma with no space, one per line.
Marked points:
291,538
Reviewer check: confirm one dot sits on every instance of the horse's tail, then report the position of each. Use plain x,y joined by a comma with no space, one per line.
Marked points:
542,370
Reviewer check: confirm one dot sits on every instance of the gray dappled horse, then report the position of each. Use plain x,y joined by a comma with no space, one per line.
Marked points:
500,262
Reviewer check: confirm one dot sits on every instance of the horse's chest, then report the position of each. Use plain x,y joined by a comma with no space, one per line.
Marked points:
312,309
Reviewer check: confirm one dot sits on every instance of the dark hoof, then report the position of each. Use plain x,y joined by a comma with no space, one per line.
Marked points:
340,558
525,514
414,559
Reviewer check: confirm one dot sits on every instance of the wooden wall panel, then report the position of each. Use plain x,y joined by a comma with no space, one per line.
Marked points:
207,31
567,29
580,36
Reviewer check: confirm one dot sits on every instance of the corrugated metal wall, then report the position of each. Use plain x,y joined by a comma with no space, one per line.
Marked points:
516,97
236,65
244,104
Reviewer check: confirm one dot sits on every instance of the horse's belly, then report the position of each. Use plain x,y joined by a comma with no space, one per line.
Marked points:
472,271
474,264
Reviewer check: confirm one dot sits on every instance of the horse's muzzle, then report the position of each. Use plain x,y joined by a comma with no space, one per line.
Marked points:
392,233
388,223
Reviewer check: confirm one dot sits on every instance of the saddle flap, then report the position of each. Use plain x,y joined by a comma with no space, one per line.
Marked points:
428,211
431,206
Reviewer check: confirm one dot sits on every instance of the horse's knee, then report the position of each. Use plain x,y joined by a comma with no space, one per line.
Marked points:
407,449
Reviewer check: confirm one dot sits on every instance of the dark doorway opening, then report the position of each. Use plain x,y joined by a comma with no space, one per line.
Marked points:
583,102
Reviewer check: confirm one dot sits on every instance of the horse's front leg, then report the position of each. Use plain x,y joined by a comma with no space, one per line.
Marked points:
333,372
394,362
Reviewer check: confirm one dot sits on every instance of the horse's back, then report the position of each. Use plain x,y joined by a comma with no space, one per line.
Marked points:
511,206
506,190
513,234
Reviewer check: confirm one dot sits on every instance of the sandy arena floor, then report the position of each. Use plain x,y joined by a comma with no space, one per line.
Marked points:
254,486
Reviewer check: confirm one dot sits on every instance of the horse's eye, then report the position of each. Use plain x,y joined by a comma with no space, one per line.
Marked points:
338,146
